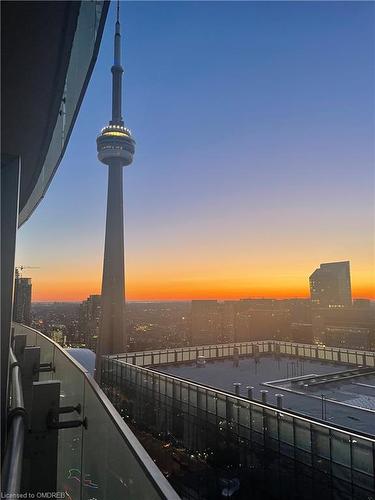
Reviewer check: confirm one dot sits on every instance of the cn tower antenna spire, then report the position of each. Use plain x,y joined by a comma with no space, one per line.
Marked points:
117,72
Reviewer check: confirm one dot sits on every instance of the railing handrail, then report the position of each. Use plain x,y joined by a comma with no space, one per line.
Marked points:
16,385
291,413
238,344
158,480
12,466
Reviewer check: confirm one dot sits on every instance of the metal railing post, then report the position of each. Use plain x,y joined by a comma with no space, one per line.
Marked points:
30,374
19,346
42,442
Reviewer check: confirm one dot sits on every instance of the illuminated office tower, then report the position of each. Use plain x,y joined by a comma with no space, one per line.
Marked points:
330,285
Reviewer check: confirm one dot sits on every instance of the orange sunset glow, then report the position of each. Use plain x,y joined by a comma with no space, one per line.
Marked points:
70,287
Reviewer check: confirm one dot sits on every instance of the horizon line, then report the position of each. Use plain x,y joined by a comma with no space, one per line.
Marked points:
149,301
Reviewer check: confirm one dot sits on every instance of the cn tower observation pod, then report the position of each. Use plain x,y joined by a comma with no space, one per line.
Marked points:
115,143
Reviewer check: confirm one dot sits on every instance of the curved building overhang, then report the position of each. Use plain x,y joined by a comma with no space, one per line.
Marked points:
48,53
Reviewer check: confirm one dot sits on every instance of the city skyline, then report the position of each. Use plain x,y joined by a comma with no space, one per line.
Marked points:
251,213
305,295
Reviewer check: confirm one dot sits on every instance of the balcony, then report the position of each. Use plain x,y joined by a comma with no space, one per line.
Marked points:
65,435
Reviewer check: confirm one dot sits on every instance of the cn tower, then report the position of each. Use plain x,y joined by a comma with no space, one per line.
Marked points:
115,147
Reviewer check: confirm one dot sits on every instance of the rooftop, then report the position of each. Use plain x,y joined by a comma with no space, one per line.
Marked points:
348,402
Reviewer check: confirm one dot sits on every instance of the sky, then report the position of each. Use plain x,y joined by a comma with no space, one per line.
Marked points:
254,124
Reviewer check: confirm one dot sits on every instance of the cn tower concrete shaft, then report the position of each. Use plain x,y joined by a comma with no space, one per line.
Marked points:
113,285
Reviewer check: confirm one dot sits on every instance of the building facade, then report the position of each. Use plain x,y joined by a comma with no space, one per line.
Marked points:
330,285
206,322
22,300
89,321
261,324
349,337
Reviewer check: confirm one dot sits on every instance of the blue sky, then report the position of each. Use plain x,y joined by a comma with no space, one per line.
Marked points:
254,124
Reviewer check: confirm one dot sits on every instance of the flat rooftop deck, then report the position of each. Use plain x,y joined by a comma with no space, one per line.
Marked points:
346,402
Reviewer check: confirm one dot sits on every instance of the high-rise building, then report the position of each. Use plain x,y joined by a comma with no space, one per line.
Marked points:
115,148
89,321
22,299
206,322
229,311
330,285
262,324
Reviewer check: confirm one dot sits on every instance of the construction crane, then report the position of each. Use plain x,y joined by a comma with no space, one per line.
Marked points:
19,270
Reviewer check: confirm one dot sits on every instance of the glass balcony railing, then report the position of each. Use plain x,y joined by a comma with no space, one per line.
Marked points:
208,421
100,459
